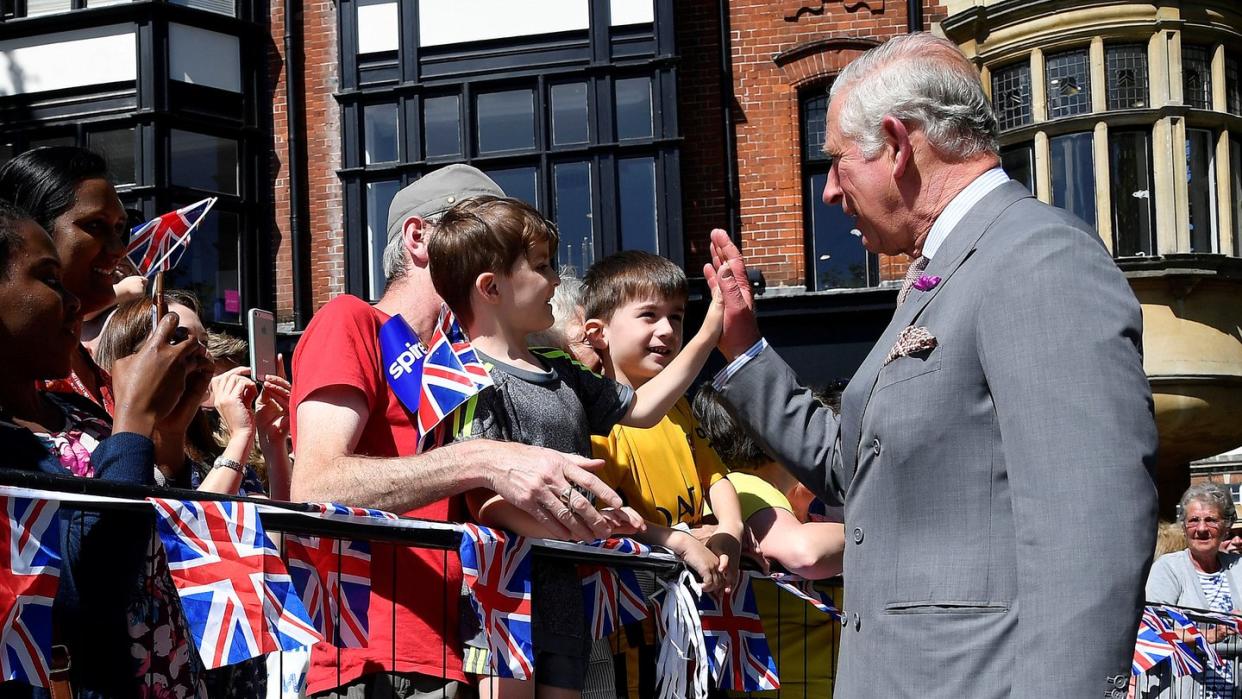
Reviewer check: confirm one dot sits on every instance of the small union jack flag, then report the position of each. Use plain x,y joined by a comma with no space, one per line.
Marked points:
496,567
452,373
333,577
613,595
805,590
237,597
1159,641
29,577
736,645
164,235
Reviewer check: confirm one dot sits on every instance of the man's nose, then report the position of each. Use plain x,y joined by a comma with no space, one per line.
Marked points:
832,187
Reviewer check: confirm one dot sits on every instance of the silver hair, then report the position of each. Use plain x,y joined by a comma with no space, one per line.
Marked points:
396,263
921,79
1211,495
565,303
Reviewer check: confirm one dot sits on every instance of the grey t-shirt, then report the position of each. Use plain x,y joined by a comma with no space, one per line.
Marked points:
559,408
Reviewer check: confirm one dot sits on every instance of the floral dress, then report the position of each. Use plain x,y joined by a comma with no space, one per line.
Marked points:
165,662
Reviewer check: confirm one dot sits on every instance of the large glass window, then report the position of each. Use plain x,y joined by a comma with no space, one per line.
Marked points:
203,162
594,145
1073,174
1068,83
1018,161
1233,88
506,121
1235,175
117,148
574,214
836,258
442,126
1201,186
570,124
379,197
1126,67
634,108
209,269
1011,95
379,128
1197,76
1129,159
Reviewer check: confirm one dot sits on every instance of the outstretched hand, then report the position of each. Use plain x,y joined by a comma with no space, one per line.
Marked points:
544,483
726,277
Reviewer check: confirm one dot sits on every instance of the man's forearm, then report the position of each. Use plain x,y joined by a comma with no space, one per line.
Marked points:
397,484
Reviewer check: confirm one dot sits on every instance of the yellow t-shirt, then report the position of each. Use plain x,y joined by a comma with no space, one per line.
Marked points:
803,639
663,472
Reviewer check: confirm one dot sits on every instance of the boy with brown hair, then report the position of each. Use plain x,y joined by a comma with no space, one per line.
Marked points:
490,259
635,306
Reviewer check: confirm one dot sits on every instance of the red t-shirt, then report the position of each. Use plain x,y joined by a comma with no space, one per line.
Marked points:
413,617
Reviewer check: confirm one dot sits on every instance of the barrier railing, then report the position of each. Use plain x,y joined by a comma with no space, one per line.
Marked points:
801,639
1186,653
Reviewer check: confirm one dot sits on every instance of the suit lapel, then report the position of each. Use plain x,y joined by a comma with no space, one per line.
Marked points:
958,246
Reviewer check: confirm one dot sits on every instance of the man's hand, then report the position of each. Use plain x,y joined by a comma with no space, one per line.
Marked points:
542,482
726,276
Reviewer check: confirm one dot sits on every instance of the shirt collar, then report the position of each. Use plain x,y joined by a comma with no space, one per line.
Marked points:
959,205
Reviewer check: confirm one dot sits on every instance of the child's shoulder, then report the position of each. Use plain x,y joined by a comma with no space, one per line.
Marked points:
559,359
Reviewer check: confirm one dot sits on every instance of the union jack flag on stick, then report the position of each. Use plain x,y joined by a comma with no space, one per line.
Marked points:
29,577
805,590
496,568
166,234
452,374
736,645
237,597
1157,642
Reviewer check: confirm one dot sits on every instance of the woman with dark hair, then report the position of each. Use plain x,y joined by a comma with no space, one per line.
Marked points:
66,190
104,553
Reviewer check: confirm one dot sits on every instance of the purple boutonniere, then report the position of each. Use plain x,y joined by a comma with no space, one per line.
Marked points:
926,283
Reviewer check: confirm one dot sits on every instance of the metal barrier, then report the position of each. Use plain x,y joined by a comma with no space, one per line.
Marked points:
803,640
1206,664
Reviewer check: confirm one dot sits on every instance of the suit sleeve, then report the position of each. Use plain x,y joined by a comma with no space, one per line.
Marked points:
768,401
1060,347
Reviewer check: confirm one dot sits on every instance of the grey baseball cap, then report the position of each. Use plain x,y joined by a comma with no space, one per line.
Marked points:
435,192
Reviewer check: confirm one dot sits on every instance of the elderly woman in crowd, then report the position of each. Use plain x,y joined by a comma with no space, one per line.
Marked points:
1201,576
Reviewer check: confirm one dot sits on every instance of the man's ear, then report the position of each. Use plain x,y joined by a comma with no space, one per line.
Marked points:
897,136
414,239
594,329
486,288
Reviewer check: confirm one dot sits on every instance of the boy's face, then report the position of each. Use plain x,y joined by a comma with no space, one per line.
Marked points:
643,336
526,292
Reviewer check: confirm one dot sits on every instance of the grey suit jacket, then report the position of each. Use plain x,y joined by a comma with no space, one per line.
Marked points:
999,512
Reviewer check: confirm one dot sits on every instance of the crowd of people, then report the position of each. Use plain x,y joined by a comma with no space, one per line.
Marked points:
954,453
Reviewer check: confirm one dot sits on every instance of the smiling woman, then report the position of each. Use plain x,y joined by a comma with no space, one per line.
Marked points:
66,191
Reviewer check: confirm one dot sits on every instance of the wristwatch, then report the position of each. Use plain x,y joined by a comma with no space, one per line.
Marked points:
222,462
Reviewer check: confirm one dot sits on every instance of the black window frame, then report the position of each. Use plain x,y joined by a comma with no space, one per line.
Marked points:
1072,65
1146,242
153,105
1122,60
1197,67
1009,81
815,163
597,56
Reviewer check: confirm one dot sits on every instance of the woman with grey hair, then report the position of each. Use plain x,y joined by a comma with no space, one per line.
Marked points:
1201,576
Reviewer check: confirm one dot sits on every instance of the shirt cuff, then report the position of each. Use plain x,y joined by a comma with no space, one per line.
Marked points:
739,362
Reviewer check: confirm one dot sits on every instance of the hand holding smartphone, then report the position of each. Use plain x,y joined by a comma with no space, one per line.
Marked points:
262,330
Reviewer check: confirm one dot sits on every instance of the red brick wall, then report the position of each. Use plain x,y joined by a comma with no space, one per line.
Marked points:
321,119
766,96
701,119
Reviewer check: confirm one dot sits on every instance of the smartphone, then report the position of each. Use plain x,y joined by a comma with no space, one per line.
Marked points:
262,344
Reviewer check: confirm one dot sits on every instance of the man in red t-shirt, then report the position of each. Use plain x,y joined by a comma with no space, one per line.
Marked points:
355,444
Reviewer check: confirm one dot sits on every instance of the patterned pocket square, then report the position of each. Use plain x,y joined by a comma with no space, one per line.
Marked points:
912,340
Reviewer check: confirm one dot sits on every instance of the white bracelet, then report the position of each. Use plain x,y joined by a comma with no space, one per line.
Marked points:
223,462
